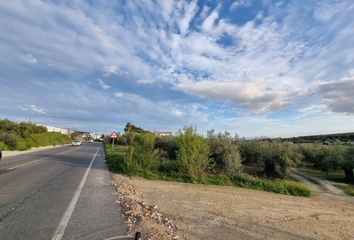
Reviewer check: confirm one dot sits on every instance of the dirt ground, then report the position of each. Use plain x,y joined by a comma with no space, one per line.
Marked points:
217,212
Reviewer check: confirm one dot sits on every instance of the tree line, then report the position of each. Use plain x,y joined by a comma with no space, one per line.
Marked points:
192,154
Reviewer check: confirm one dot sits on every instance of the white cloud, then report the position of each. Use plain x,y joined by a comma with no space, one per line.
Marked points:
30,58
111,70
118,95
208,23
144,81
32,108
240,3
102,84
188,15
250,95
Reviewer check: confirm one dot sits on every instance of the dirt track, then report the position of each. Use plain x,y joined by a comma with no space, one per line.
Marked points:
217,212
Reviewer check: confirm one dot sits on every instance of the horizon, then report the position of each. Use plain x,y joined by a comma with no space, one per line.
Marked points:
252,68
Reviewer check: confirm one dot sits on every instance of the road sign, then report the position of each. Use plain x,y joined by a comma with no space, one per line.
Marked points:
113,135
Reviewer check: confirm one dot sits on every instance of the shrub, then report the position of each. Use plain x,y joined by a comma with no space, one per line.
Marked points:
10,139
168,166
144,154
193,153
168,145
224,152
3,146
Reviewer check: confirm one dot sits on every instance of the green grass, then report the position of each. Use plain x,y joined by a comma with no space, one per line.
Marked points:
168,171
309,178
348,188
337,175
278,186
42,139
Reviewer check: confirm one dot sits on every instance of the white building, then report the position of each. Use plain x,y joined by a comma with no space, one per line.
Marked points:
163,134
66,131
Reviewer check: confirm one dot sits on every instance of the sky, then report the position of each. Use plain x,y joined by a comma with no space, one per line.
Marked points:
251,67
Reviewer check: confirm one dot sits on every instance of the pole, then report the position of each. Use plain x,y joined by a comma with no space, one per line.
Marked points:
113,143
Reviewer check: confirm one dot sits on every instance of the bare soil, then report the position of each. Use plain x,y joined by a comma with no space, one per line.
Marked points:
219,212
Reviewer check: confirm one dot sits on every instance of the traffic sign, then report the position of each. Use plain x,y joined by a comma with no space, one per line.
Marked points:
113,135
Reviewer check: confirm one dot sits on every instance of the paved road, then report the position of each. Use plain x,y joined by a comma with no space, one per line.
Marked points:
61,193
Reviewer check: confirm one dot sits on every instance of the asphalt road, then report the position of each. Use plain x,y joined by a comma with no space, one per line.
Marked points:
61,193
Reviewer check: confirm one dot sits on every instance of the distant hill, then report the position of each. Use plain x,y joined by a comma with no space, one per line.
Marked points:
343,137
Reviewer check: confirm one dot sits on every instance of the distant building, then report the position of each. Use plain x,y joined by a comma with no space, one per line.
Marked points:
163,134
95,136
66,131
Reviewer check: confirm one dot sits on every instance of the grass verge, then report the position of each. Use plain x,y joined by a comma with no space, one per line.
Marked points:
348,189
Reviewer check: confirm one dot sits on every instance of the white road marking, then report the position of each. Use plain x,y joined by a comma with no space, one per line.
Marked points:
59,232
21,165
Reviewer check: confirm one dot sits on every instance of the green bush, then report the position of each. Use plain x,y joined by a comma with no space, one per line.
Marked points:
193,153
168,146
142,155
3,146
224,153
168,166
278,157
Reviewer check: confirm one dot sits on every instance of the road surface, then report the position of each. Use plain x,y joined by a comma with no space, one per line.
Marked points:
61,193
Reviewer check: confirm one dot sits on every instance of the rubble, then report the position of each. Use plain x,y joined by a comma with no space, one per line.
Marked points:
141,217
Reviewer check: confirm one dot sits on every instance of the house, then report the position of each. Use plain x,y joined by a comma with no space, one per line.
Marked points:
163,134
66,131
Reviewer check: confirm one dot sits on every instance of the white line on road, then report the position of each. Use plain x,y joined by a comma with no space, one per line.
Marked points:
59,232
21,165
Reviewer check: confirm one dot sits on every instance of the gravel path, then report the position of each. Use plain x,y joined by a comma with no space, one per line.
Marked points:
327,187
221,212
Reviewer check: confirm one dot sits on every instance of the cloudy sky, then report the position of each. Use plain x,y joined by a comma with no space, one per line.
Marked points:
256,68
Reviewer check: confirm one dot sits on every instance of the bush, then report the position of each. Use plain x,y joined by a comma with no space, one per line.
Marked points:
225,153
142,155
168,145
3,146
193,153
168,166
10,139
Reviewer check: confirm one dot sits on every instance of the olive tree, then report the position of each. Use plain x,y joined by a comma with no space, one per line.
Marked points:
278,157
224,153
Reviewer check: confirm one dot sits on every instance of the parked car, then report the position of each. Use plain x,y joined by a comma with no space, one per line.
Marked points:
76,143
0,154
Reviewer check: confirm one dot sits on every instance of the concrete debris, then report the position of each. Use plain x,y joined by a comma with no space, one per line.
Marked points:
143,218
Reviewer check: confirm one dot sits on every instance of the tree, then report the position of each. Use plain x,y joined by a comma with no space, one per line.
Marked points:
224,153
193,152
348,164
278,157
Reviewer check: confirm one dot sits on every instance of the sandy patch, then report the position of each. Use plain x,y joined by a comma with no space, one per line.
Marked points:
218,212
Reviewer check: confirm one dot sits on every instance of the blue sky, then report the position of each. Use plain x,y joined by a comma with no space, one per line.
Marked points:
256,68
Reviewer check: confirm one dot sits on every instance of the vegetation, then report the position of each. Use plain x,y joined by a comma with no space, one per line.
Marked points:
215,159
193,153
225,153
330,158
348,188
23,136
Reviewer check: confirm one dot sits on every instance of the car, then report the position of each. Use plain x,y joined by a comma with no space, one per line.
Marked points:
90,141
76,143
0,154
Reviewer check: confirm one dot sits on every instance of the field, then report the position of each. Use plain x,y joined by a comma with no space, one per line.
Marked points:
222,212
